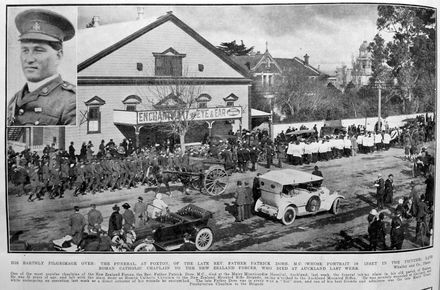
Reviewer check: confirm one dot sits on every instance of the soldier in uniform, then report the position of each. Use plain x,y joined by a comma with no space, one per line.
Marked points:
64,175
35,186
46,99
80,179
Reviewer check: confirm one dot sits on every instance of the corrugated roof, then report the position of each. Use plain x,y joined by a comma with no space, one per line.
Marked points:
258,113
244,60
96,39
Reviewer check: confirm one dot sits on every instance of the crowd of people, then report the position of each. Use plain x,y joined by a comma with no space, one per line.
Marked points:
112,167
87,232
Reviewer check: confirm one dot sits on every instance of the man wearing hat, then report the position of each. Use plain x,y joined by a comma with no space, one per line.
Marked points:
77,224
94,217
140,214
115,222
128,217
45,99
380,193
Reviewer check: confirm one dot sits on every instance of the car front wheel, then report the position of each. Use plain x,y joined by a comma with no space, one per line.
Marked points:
204,239
336,206
289,216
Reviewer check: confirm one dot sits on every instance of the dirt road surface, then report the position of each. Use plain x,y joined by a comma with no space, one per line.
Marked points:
46,220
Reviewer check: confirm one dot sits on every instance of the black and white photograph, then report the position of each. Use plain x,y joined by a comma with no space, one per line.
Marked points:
41,67
226,128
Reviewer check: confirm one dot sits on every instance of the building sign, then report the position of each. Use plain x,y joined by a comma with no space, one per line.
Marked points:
164,116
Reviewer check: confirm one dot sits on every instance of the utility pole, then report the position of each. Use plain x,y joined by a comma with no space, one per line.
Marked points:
378,85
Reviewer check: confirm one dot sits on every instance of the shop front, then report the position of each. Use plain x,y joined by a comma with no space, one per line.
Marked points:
149,127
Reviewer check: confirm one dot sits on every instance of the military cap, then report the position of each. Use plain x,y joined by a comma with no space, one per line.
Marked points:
40,24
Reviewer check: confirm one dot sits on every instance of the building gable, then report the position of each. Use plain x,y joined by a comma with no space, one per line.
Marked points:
95,101
267,64
202,58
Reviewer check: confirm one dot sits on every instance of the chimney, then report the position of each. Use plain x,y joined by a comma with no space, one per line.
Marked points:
306,59
140,13
95,21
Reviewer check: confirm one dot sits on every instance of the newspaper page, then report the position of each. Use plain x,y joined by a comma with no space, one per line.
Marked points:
211,145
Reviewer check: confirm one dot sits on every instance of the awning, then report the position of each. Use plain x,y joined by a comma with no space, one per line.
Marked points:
257,113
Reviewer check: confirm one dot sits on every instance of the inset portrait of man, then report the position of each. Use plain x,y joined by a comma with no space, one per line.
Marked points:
46,99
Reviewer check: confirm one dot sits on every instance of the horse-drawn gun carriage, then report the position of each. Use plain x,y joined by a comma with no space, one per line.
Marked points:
205,174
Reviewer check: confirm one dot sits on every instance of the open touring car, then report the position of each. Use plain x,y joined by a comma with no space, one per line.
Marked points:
288,193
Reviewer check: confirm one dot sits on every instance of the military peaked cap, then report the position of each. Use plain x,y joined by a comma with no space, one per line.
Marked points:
40,24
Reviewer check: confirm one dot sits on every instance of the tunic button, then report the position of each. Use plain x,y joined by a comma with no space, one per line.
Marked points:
45,90
21,112
37,122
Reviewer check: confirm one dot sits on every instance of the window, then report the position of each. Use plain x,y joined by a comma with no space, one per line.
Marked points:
202,101
168,63
131,102
267,80
202,105
94,114
131,108
93,120
230,100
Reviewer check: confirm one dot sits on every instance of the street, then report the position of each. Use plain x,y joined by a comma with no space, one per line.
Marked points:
43,221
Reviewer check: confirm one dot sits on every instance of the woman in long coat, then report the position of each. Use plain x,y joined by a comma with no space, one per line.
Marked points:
128,217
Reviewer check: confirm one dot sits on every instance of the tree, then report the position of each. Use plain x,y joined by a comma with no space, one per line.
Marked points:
300,97
410,54
176,99
232,48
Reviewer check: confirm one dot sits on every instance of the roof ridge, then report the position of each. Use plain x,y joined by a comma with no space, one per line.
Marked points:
159,21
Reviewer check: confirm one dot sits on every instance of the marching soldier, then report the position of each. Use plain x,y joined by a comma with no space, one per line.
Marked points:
64,175
80,179
35,185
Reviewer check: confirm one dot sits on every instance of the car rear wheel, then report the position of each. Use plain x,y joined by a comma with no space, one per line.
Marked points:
145,247
313,204
204,239
289,216
336,206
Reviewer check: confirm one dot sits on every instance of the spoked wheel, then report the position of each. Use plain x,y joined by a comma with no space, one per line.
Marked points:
336,206
216,180
145,247
289,216
204,239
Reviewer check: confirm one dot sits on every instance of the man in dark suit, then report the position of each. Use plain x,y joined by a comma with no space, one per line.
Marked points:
46,99
380,186
240,201
389,189
77,223
115,222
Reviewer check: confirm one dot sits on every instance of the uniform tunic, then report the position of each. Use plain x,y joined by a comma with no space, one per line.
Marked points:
54,103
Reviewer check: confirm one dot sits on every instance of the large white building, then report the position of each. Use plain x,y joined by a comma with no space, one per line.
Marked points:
126,72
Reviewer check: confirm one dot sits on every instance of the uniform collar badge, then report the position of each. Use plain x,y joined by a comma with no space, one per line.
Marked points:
36,26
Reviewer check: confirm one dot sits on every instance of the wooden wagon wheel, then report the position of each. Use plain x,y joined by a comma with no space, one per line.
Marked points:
216,180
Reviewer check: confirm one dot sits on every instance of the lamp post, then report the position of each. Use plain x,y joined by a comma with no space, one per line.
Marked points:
270,96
